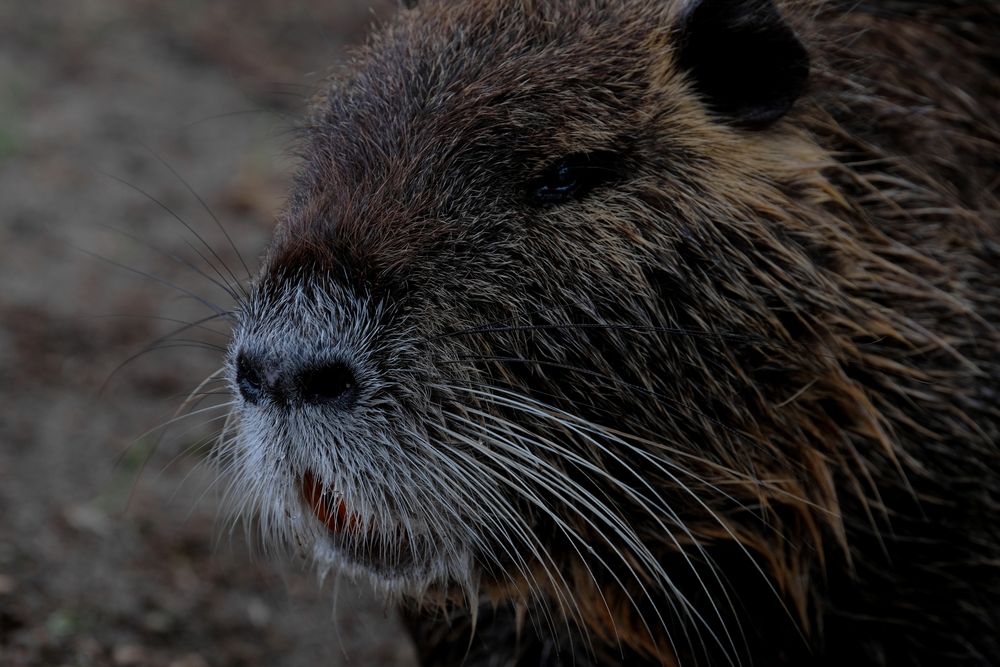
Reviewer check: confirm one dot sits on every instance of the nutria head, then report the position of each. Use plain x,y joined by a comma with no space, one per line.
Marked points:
564,309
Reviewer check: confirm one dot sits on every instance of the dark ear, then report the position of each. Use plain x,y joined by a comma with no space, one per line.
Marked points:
407,4
743,59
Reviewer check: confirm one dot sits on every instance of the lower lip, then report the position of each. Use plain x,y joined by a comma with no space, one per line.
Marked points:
366,546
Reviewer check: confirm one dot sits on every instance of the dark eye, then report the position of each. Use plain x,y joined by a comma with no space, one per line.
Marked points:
573,177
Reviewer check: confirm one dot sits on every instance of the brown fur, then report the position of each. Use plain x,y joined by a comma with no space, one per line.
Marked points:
804,320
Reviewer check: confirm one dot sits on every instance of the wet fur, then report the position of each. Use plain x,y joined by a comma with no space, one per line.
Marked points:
739,406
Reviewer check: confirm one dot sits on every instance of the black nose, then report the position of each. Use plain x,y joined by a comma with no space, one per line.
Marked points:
321,383
249,379
330,383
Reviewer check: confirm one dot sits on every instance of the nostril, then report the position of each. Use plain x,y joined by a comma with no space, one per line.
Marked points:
248,379
329,383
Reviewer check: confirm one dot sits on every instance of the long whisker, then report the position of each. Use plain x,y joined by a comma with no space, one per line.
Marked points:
607,326
185,325
218,310
210,212
550,569
169,211
616,381
635,542
642,501
199,444
580,303
664,466
219,282
156,348
526,492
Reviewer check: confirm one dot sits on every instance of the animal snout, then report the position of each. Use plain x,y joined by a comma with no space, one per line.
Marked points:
285,382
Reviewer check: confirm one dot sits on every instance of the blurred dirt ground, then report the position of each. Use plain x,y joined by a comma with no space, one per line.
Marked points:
106,559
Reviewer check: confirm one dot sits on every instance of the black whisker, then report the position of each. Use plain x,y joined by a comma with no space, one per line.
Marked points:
497,322
186,225
599,325
199,345
187,326
224,286
197,324
218,310
211,214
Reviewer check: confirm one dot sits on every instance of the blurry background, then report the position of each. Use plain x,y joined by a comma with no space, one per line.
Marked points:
105,560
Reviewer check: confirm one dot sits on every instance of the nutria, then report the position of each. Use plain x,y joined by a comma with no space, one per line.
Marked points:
658,332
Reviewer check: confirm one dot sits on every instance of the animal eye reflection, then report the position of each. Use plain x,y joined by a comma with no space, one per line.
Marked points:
573,177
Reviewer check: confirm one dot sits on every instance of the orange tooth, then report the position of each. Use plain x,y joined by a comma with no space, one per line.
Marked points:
336,519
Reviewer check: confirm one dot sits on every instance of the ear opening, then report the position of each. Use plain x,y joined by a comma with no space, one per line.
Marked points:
743,59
